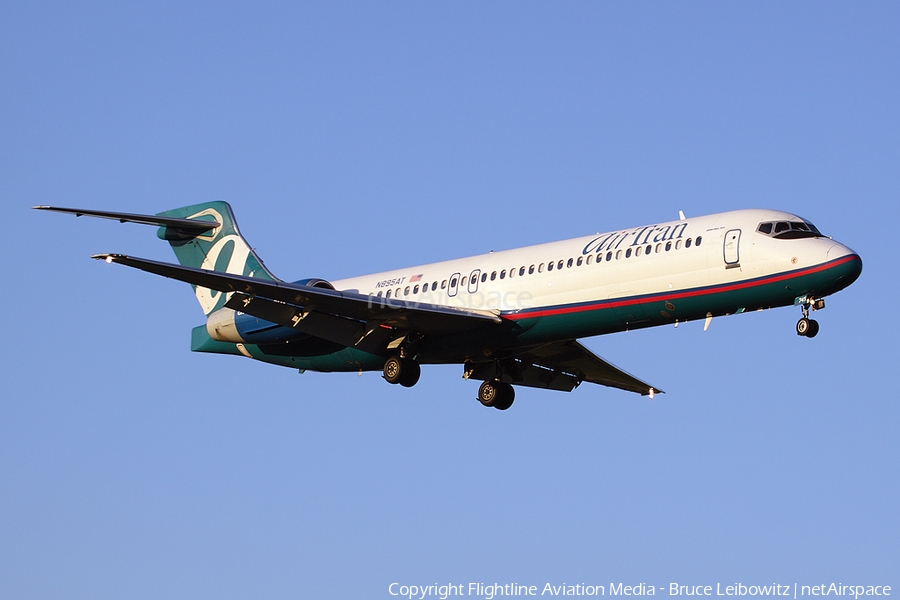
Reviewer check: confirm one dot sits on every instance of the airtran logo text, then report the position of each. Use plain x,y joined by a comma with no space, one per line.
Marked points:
643,235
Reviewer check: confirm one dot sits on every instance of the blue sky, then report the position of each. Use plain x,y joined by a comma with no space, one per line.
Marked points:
352,138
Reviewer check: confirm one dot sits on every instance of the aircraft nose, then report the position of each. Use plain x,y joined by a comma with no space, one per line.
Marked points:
837,250
848,264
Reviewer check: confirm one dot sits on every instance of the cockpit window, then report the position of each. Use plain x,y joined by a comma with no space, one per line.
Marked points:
789,230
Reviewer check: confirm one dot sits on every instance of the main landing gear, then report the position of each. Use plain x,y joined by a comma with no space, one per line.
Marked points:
497,394
809,327
401,370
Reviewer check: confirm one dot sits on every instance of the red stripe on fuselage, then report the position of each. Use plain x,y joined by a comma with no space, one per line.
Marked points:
540,312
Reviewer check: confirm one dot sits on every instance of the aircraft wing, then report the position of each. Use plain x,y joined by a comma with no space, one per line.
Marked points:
572,358
290,304
557,366
363,321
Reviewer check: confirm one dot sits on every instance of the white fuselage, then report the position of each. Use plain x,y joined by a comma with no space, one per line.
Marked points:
667,257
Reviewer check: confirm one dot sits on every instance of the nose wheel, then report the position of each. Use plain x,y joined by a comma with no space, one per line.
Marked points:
807,327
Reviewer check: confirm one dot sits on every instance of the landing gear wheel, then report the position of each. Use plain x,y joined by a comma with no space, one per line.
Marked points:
813,328
497,394
489,393
393,369
410,373
507,397
404,372
807,327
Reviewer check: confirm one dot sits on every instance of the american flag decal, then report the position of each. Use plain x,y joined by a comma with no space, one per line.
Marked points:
415,278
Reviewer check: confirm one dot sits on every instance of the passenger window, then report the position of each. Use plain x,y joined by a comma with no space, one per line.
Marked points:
453,282
579,261
484,277
444,284
531,270
608,256
559,265
678,245
668,246
493,275
639,251
521,271
589,258
687,244
473,280
406,291
550,266
541,268
379,294
397,293
699,239
628,253
388,294
659,247
649,249
416,290
503,274
569,263
434,286
618,254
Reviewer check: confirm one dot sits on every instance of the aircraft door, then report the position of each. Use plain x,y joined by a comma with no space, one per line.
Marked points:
732,248
454,285
473,280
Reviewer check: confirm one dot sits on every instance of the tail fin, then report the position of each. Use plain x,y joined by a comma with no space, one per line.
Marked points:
221,249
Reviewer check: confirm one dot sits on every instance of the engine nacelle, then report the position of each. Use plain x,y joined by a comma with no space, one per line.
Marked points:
315,282
221,327
227,325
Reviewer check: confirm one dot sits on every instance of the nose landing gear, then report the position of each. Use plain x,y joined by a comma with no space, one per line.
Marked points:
805,326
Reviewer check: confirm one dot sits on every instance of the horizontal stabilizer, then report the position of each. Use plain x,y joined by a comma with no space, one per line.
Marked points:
194,226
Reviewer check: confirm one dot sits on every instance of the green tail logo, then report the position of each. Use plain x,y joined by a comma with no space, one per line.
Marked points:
222,249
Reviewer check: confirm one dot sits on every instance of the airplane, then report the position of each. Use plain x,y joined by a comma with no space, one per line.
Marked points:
510,317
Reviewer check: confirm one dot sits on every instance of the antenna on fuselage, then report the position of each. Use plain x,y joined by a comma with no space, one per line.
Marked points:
681,216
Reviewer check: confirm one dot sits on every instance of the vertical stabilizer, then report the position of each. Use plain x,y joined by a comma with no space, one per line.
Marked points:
222,249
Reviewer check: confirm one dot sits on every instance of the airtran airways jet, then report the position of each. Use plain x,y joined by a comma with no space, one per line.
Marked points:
511,317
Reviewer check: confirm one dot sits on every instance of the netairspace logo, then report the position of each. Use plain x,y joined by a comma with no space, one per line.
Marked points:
490,591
